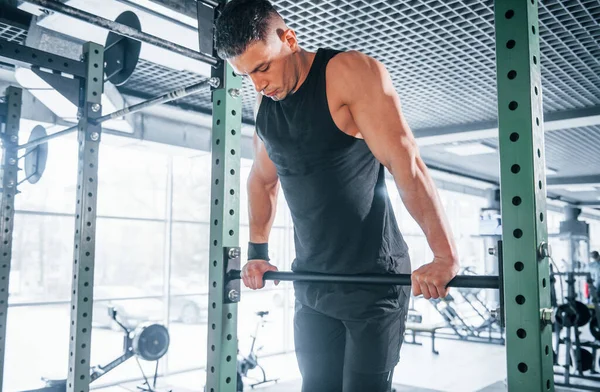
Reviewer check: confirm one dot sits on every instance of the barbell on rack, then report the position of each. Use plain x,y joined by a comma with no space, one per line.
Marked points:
173,95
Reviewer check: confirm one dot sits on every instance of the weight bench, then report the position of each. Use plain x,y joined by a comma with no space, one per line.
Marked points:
431,329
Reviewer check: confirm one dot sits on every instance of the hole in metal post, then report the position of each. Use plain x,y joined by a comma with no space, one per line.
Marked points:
519,266
523,367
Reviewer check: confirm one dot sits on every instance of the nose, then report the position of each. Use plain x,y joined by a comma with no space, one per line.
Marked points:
259,83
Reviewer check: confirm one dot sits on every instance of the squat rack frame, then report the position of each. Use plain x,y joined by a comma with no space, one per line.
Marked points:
526,274
82,82
523,194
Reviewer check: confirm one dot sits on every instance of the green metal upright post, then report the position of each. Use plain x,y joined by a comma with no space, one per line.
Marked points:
523,194
85,221
8,179
221,365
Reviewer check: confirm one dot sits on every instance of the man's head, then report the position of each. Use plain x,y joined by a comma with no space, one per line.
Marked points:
595,256
253,37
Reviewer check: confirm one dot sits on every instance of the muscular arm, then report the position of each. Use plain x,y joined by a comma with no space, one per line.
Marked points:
376,110
263,187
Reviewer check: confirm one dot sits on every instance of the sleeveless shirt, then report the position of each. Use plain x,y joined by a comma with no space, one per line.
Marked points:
335,189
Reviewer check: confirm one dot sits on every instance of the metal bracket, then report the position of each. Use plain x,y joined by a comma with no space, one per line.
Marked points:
501,318
25,56
231,255
206,20
69,88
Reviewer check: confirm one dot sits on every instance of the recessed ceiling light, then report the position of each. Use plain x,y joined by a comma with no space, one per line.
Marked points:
580,188
470,149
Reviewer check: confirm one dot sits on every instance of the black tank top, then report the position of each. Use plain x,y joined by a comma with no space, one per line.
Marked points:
335,189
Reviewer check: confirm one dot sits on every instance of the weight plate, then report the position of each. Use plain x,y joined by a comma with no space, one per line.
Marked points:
565,316
570,316
121,54
583,313
587,360
36,157
151,341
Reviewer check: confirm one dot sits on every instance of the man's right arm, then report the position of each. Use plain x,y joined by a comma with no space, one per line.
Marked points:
262,187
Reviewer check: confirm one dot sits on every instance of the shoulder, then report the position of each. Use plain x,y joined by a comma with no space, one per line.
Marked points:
354,64
354,71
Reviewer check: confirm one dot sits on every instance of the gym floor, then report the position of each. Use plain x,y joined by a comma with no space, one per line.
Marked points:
459,367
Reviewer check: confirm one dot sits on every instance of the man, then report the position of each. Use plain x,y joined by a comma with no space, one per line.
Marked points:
327,125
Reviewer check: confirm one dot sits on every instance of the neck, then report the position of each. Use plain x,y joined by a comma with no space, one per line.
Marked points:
304,61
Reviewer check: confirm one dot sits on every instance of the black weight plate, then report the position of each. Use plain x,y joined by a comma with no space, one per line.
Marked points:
565,316
36,157
122,54
583,313
594,328
151,341
568,316
587,360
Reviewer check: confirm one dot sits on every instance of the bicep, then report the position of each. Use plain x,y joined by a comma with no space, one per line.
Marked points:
263,168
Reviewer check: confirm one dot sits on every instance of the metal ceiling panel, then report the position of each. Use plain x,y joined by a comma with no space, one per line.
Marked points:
441,56
12,33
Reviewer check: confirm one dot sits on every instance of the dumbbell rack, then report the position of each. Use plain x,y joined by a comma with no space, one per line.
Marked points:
577,346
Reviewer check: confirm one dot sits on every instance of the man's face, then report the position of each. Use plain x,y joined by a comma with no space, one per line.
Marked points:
268,64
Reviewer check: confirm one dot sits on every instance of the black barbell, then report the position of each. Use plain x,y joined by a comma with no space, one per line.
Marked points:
470,281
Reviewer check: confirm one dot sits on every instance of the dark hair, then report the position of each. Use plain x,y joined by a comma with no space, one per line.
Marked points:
595,255
242,22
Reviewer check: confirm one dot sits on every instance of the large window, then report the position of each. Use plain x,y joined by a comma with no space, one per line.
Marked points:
129,263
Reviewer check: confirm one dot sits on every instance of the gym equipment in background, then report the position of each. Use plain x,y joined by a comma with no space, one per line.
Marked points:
250,362
149,342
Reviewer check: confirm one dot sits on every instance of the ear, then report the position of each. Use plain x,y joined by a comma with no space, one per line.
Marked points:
289,38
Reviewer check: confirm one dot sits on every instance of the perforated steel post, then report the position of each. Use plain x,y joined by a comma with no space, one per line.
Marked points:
523,194
8,173
85,222
224,232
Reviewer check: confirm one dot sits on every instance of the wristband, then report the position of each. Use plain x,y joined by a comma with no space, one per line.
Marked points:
258,251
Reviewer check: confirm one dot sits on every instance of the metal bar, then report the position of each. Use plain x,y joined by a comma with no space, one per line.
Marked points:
124,30
66,302
464,281
176,94
47,138
85,224
28,57
225,227
128,218
8,172
523,194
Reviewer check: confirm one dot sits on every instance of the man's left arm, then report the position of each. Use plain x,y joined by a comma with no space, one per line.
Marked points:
376,110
